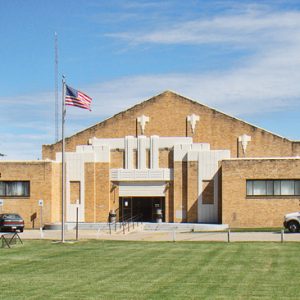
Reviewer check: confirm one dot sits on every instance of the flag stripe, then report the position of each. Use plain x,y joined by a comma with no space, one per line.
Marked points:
78,105
86,97
77,102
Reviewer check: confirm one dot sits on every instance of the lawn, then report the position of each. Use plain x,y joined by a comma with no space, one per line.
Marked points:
150,270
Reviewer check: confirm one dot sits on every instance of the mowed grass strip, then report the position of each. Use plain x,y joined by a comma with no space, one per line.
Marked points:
150,270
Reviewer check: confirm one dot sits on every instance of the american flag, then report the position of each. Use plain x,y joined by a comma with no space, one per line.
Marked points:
77,98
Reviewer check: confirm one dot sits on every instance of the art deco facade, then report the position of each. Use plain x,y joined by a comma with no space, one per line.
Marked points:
168,154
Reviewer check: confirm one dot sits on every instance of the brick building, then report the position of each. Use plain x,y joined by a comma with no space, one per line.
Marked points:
167,155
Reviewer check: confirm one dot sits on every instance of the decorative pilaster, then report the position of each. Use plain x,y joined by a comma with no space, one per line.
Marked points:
129,146
154,152
141,146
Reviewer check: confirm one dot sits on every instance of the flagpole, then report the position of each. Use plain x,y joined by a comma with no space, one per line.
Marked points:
63,168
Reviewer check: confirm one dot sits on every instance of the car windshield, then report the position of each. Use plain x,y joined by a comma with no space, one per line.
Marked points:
11,216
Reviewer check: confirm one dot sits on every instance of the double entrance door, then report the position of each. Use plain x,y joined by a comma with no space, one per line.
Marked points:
149,208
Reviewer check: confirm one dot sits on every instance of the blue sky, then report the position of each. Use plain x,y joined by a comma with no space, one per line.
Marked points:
240,57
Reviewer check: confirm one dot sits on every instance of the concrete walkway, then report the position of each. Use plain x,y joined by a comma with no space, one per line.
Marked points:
163,236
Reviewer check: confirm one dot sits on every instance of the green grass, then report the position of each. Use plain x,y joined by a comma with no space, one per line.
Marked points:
150,270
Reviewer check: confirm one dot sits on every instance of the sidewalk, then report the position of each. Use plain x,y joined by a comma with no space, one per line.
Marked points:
163,236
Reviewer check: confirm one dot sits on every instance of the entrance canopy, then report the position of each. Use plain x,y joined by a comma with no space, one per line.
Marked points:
142,189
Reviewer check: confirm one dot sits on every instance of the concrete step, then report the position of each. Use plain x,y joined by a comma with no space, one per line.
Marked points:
96,226
184,227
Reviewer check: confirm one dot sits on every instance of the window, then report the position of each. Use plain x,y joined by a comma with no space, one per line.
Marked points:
74,192
14,188
273,187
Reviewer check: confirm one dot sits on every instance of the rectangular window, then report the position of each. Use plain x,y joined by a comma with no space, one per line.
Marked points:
270,187
297,187
14,188
287,187
259,187
277,189
2,188
273,187
249,187
74,192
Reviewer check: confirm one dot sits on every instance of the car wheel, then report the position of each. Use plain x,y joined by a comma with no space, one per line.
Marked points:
293,226
21,230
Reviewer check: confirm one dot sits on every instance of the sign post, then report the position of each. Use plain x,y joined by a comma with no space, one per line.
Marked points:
41,204
1,204
77,207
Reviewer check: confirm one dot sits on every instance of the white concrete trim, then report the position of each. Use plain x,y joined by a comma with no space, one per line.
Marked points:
154,152
193,119
75,163
142,120
113,143
208,170
141,175
142,152
189,152
130,142
142,189
263,158
244,140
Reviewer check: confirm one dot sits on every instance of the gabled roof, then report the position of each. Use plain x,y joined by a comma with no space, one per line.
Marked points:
161,96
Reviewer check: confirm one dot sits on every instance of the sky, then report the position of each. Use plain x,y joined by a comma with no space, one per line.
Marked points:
239,57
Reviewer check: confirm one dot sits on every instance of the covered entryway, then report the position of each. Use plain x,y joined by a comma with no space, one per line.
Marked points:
149,208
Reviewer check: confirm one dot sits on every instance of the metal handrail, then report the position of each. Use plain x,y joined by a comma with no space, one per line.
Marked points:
131,221
125,222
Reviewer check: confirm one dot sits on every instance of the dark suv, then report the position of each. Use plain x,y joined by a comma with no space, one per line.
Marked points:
11,222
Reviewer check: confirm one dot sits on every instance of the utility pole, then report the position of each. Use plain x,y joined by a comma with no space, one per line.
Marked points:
56,86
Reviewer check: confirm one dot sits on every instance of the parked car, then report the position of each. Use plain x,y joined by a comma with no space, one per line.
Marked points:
292,221
11,222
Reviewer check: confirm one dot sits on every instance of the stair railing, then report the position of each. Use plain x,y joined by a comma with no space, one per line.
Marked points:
125,223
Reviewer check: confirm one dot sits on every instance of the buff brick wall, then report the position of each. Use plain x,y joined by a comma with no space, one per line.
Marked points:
168,113
241,211
103,192
192,191
165,158
220,193
56,193
117,159
180,191
90,190
40,176
170,202
97,192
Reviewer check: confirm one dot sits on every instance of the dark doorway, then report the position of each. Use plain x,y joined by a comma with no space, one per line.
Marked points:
146,207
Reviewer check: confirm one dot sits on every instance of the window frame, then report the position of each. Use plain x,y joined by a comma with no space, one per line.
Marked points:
10,182
271,184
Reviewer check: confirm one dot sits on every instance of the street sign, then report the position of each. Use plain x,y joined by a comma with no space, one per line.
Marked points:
1,202
41,202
